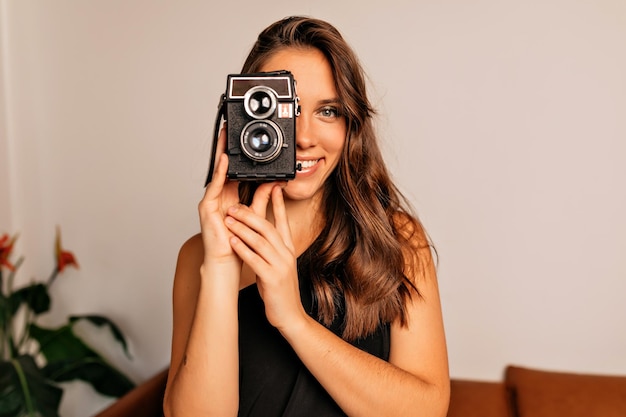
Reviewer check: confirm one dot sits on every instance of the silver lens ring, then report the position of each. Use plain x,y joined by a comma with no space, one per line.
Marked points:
260,102
261,140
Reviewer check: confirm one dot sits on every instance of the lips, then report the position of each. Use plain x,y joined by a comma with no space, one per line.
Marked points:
307,164
308,167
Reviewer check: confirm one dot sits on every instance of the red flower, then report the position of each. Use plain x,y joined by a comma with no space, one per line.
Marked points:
64,258
6,246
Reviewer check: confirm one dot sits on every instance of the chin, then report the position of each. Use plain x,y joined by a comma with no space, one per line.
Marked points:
302,190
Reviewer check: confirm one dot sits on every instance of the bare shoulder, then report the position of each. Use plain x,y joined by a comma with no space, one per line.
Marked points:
187,276
192,249
190,257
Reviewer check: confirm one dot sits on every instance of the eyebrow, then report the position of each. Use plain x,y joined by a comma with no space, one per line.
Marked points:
328,101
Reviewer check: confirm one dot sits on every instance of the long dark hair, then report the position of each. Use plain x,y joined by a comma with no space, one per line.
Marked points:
370,241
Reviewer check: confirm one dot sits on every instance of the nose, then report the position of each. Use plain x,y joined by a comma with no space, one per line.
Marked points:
305,137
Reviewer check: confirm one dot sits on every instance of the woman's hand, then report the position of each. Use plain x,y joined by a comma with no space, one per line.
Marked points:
269,250
219,195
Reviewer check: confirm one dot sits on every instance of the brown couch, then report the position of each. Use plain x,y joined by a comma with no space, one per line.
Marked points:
522,393
538,393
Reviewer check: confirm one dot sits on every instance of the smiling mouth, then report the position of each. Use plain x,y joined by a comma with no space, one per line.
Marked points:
305,165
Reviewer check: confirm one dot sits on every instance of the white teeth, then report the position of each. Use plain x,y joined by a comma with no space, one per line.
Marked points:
308,164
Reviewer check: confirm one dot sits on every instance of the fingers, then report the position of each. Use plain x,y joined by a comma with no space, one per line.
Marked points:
268,259
280,216
216,185
221,141
247,255
262,198
220,193
252,228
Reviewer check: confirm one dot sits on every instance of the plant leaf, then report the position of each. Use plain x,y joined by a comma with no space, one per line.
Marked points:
24,389
68,358
35,296
103,321
11,402
100,375
60,343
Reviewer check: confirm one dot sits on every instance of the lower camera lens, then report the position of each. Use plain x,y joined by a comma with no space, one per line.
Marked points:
261,141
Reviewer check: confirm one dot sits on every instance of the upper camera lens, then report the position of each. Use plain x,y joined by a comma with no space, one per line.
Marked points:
260,102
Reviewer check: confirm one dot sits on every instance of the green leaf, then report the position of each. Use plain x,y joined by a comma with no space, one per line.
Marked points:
100,375
35,296
25,390
11,402
103,321
60,343
70,358
11,398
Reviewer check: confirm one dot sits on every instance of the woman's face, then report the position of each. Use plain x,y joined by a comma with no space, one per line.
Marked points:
320,128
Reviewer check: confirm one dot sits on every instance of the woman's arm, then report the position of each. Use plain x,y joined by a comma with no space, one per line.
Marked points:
204,369
203,378
415,381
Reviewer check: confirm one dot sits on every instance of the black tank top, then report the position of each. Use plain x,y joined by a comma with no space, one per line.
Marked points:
273,382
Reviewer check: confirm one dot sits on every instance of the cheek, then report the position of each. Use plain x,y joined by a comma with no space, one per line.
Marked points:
337,145
336,141
335,154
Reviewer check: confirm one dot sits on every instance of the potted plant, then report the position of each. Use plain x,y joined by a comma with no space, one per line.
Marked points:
34,359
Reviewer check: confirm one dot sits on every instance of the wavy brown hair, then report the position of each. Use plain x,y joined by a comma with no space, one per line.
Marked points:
370,242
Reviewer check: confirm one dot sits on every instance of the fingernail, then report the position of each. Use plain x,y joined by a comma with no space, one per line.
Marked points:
233,209
229,220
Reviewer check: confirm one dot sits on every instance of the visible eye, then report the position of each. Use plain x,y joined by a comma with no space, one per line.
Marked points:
329,112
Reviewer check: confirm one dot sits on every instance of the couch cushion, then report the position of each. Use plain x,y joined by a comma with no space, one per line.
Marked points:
540,393
478,399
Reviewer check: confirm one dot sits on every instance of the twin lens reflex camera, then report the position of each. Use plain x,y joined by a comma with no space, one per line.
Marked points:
260,110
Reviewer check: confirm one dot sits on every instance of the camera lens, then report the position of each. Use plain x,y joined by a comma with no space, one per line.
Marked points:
260,102
261,141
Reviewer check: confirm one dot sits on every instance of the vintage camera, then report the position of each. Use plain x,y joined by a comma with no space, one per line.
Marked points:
260,110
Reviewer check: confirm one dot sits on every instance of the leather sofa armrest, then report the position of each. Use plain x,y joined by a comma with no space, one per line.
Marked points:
145,400
470,398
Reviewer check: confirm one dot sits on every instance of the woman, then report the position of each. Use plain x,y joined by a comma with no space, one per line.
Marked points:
317,297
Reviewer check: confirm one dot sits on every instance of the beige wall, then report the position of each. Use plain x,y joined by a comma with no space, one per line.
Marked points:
504,122
5,169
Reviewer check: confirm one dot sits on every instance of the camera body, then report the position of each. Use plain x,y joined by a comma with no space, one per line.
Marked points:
260,110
